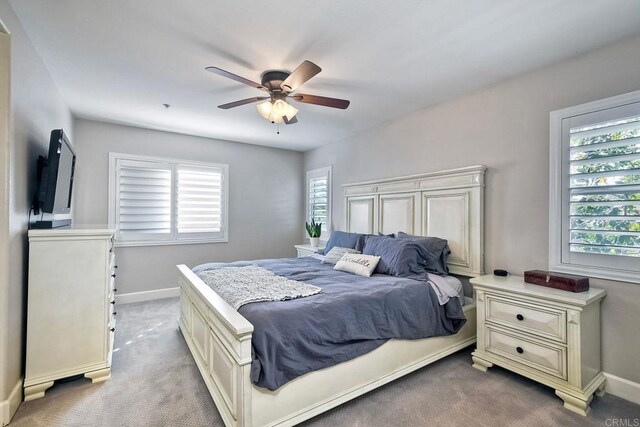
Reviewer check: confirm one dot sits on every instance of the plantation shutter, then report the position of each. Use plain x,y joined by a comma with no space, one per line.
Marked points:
318,199
199,201
155,201
603,186
143,200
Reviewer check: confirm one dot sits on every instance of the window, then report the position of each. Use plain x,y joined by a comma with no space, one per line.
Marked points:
156,201
319,199
595,189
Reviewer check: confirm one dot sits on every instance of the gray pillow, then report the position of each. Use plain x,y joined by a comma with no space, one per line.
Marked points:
438,250
398,257
336,252
344,240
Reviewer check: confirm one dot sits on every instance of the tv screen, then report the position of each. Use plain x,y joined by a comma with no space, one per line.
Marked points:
56,185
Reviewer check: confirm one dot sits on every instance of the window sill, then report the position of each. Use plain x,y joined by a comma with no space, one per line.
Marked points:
596,272
133,243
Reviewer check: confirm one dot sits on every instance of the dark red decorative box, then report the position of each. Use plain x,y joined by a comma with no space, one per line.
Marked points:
566,282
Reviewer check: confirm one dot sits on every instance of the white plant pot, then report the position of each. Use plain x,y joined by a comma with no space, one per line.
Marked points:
314,242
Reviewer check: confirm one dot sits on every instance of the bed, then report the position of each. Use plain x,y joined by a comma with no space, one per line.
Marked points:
447,204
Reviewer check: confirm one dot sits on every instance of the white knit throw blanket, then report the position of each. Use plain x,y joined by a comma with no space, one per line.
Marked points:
242,285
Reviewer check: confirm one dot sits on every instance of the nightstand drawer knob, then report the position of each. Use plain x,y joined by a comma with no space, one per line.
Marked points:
519,350
520,317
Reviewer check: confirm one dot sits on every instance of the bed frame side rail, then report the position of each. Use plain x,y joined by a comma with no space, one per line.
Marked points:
219,339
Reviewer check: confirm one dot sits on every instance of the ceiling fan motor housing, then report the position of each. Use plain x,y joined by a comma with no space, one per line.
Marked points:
273,79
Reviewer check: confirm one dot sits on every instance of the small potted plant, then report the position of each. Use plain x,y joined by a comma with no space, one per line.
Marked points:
314,229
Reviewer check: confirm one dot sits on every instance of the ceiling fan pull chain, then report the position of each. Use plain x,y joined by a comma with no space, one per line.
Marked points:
278,128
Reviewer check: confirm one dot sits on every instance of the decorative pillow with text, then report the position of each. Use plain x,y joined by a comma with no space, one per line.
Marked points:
362,265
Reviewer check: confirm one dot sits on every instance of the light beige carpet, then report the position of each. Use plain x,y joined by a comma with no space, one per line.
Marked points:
156,383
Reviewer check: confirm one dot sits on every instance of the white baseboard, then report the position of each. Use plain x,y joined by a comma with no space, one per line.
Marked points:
147,295
628,390
9,407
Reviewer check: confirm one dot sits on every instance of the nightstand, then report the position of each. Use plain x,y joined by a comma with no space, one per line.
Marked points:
548,335
307,250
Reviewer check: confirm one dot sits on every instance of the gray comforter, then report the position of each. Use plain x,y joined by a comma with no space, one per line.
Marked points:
352,316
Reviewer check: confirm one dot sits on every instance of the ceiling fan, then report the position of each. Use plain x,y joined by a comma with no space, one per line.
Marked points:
281,85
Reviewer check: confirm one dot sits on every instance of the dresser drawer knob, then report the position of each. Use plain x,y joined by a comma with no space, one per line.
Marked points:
113,275
113,329
115,312
113,302
520,317
115,290
115,266
519,350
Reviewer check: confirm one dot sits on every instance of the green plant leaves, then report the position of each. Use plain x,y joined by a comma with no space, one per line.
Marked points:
314,229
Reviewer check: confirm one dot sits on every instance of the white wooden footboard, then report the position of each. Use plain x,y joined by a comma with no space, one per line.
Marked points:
220,341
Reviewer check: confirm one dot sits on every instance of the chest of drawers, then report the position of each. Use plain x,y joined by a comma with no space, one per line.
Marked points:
71,317
548,335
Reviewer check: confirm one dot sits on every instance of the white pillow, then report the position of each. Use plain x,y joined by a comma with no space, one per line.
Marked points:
362,265
336,252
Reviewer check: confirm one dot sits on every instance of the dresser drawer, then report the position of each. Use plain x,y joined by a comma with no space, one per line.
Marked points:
535,319
112,319
111,332
543,356
112,283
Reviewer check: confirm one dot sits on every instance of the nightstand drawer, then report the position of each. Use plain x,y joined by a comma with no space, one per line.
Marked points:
539,320
304,253
542,356
307,250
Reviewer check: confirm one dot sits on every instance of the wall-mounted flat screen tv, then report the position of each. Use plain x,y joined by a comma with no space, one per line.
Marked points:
56,175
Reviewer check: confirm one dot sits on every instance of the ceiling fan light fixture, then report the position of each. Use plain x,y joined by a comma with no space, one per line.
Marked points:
291,111
264,109
274,111
279,110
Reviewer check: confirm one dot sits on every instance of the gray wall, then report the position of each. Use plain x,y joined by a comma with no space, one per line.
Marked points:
5,108
505,127
265,195
36,107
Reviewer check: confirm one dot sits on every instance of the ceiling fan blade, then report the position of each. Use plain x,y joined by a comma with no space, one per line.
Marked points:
300,75
294,120
235,77
321,100
242,102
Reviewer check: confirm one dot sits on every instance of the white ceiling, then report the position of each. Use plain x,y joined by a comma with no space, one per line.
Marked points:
120,60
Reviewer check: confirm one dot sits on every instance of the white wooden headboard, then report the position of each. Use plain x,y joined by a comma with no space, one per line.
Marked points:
447,204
